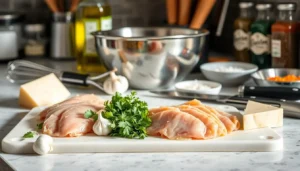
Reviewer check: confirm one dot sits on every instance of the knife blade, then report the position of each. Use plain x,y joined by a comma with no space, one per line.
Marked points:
291,108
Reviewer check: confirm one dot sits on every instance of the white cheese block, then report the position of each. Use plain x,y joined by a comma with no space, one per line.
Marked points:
47,90
258,115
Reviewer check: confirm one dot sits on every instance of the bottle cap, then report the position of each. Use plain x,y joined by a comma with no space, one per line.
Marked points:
286,6
263,6
246,4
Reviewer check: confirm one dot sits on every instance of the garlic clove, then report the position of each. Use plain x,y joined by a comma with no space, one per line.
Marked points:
115,83
43,144
101,126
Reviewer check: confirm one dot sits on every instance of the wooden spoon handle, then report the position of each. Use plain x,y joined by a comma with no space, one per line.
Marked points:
52,5
172,11
74,5
184,11
203,9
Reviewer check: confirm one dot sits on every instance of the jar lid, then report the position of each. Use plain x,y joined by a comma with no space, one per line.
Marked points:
263,6
246,4
286,6
34,28
10,17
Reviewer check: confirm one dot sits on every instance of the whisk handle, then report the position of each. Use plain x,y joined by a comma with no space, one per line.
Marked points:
74,78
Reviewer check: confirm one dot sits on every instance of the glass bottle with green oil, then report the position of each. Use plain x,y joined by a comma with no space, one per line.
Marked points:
91,15
260,41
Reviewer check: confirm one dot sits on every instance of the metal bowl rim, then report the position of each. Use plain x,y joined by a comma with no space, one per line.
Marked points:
201,32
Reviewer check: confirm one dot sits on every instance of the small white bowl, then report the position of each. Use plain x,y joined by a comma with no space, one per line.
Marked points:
209,70
186,86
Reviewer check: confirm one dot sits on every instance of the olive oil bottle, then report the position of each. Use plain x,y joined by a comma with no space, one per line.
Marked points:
91,15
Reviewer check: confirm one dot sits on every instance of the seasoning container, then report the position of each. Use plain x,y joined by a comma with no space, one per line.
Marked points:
241,34
61,36
284,38
12,45
260,41
91,15
35,40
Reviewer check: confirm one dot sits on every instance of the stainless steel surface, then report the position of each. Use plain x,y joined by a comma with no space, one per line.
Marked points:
286,6
10,16
34,28
261,77
222,18
246,4
61,36
264,6
151,57
22,71
291,108
241,90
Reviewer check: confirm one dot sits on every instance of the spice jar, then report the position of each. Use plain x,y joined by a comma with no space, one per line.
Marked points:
284,38
241,34
260,41
35,40
11,39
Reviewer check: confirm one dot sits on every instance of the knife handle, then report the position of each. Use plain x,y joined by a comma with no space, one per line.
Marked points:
290,108
290,93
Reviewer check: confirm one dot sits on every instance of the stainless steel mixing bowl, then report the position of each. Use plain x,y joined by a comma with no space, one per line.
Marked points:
151,57
261,77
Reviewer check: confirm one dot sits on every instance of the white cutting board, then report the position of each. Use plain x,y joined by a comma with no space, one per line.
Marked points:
264,139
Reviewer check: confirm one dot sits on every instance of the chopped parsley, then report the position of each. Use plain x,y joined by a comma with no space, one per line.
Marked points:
91,114
128,116
29,134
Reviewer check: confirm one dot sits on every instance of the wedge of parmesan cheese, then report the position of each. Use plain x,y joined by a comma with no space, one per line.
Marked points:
258,115
47,90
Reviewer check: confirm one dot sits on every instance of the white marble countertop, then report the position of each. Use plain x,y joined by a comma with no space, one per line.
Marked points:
11,114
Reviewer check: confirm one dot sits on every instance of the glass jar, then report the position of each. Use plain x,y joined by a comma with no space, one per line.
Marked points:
241,33
35,40
91,15
11,40
284,38
260,41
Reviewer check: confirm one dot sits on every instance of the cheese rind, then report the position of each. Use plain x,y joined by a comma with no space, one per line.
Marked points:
258,115
47,90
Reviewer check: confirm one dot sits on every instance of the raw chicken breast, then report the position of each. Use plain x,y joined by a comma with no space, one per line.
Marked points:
210,122
66,119
191,120
197,104
175,124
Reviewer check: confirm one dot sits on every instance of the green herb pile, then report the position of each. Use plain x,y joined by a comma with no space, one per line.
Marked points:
128,115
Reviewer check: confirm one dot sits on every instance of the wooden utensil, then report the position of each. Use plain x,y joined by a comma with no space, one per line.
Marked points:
172,11
184,11
74,5
202,11
52,5
60,5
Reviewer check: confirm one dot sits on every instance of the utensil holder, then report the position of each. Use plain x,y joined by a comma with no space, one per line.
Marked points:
61,36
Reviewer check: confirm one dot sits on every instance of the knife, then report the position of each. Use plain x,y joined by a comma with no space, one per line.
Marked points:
291,108
287,93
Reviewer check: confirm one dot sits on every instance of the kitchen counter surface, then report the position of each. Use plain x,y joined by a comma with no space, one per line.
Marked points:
11,114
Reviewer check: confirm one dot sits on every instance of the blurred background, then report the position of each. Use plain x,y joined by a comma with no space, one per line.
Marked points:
146,13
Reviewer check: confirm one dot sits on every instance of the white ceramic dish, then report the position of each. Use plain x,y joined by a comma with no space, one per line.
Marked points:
228,78
191,87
